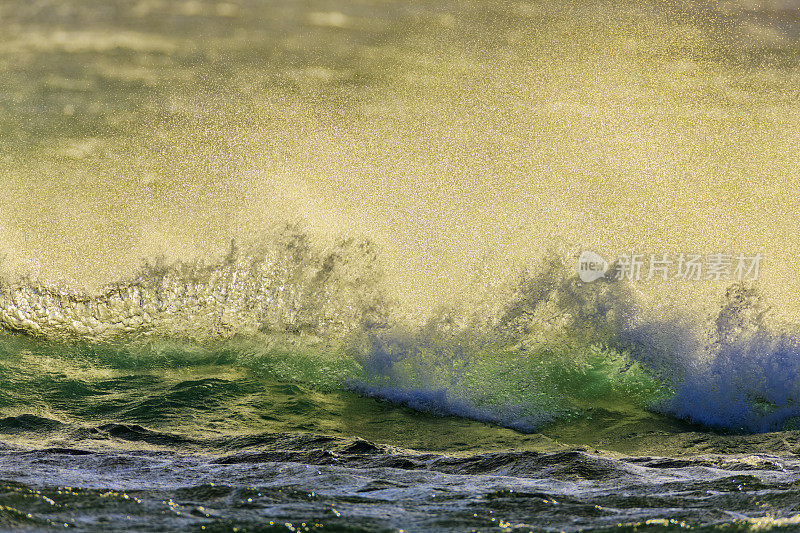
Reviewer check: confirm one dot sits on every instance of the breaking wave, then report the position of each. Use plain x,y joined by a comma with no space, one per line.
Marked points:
531,350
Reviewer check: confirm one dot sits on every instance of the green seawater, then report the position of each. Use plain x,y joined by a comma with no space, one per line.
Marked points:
264,265
200,394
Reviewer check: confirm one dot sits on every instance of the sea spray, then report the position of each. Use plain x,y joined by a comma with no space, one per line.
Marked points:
283,284
745,375
539,347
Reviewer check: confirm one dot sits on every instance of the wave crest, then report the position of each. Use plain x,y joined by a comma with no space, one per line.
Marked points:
539,347
286,284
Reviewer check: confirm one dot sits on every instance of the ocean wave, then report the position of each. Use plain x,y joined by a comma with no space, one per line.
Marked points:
537,348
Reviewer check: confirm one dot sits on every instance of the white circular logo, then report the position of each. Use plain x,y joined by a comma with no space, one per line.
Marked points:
591,266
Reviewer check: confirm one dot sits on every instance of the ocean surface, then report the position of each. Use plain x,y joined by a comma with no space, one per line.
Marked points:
275,390
311,266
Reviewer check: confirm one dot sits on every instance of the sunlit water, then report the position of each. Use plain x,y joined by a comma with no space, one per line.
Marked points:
274,266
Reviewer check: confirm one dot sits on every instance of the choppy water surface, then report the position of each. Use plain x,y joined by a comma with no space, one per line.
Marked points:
187,440
273,266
